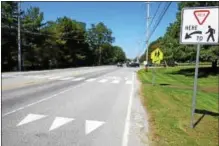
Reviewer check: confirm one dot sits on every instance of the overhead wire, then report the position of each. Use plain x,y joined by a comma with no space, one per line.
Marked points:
158,20
156,11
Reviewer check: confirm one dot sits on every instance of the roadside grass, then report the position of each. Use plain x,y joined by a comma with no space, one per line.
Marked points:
168,104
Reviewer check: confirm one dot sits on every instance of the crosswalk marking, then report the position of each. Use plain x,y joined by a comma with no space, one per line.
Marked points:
115,82
41,77
110,79
78,79
128,82
55,77
103,81
29,76
91,79
67,78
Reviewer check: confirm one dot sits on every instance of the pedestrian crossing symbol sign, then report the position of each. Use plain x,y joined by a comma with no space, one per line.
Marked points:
157,56
200,25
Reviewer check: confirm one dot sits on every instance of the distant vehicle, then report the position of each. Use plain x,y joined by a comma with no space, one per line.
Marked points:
127,64
119,64
134,64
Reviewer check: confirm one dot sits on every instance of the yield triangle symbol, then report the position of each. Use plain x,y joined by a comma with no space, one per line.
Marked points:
201,15
59,121
30,118
92,125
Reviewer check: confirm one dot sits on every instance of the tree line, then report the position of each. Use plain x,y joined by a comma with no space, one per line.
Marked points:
61,43
170,42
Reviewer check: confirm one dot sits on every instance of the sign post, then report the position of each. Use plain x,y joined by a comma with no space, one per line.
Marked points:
195,84
199,26
156,57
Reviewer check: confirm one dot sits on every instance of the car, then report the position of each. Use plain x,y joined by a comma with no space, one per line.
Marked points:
119,64
127,64
134,64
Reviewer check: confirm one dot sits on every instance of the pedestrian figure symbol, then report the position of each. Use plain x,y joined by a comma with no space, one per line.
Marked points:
157,54
211,32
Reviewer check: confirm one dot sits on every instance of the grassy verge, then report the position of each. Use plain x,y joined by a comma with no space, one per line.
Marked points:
168,104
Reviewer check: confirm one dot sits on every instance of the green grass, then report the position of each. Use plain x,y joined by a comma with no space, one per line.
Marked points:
169,107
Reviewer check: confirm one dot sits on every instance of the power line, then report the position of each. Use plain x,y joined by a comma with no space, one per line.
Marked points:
159,20
148,28
155,14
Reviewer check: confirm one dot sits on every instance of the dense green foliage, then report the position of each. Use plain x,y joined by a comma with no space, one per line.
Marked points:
170,42
54,44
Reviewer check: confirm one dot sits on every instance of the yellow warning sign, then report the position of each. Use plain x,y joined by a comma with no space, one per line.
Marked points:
157,56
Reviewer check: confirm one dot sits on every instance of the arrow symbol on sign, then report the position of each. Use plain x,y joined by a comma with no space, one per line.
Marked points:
189,35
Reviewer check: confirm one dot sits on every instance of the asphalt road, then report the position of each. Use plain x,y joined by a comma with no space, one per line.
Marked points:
96,106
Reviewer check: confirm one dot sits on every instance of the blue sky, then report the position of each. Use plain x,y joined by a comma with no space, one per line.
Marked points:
127,20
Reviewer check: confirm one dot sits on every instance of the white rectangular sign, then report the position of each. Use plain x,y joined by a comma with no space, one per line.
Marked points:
199,25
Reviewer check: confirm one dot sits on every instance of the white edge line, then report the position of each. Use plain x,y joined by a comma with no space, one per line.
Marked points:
127,121
41,100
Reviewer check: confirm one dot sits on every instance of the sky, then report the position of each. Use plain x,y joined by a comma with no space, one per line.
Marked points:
127,20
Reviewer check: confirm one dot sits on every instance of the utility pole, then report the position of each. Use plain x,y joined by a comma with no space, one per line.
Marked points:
100,55
147,34
19,37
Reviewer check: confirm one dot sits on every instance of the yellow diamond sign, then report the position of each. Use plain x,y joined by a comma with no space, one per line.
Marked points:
157,56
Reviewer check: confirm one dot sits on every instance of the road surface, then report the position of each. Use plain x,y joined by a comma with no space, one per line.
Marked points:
93,106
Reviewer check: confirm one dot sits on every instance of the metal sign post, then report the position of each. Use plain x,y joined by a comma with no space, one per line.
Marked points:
200,27
195,84
156,57
154,74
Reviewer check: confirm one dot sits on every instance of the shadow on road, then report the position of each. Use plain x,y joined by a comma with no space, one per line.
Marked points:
204,112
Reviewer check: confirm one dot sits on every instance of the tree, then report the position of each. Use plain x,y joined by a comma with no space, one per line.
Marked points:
54,44
97,36
9,17
119,54
31,24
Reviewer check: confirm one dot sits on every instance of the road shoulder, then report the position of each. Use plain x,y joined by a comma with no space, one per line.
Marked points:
139,127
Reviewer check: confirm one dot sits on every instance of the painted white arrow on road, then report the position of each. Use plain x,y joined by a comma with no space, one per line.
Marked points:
30,118
59,121
92,125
